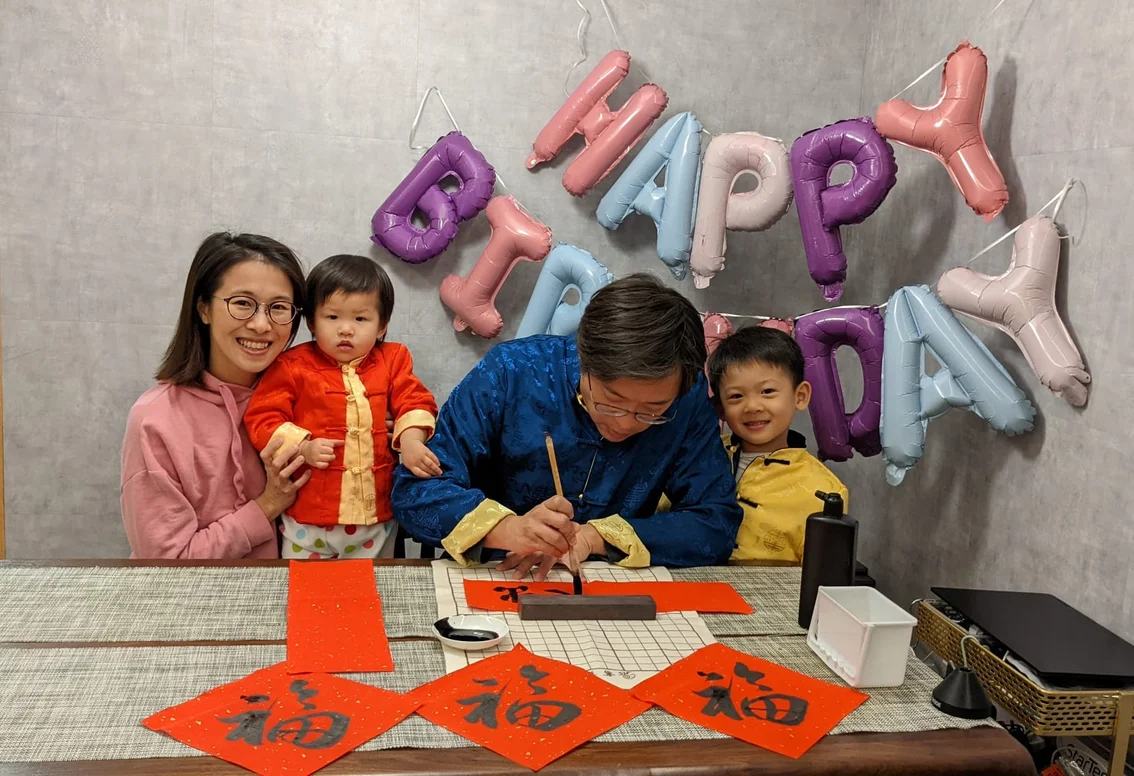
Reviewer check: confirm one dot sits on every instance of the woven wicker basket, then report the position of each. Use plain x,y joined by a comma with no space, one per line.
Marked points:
1044,712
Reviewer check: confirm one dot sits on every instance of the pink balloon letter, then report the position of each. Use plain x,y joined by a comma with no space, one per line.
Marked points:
950,129
1021,303
717,330
515,236
609,134
718,208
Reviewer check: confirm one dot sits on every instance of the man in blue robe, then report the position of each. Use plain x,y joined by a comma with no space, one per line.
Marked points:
627,407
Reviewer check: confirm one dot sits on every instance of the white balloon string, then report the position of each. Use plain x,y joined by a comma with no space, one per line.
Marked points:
613,26
421,109
738,315
1057,201
417,121
941,61
581,39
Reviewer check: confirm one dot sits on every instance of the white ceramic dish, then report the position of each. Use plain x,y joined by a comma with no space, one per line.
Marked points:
471,622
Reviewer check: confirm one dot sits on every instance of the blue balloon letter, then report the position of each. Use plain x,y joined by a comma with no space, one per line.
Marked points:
564,268
969,377
676,146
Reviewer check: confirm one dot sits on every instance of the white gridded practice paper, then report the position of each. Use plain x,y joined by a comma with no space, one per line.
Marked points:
621,652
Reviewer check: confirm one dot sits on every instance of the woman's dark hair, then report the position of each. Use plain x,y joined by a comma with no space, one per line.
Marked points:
638,328
351,275
187,356
756,345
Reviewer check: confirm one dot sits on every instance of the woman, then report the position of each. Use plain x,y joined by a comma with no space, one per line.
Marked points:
192,484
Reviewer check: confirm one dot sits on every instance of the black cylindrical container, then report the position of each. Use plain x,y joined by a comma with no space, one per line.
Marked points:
828,553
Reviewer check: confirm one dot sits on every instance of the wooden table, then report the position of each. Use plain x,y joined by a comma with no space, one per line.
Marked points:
979,752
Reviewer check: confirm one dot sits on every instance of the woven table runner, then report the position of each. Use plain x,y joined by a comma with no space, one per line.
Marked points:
96,604
772,591
86,703
181,604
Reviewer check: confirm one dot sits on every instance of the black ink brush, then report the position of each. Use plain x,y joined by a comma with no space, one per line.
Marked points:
576,578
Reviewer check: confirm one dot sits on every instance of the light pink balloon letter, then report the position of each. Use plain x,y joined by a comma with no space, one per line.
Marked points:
718,208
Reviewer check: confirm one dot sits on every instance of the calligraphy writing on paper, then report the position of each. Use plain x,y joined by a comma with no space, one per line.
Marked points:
511,593
772,706
543,714
314,730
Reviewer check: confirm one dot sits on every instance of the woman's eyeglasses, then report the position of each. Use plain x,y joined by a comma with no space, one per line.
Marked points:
244,307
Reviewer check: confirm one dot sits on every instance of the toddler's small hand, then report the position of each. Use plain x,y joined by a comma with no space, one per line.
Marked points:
319,453
419,459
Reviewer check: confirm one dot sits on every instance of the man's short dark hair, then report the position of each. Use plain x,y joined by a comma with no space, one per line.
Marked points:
351,275
756,345
637,328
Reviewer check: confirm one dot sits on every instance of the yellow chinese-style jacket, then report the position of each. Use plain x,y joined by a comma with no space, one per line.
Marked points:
777,493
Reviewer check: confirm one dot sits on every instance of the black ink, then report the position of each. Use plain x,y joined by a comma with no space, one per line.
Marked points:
320,730
533,675
542,715
510,595
751,676
719,701
249,726
255,698
712,676
487,682
487,706
302,693
778,708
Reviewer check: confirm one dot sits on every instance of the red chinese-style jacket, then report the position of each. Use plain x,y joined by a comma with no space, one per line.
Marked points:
307,394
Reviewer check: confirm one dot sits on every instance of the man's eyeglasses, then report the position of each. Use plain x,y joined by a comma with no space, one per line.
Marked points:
619,412
244,307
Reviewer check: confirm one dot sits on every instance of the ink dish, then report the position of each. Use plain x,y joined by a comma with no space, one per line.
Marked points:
470,632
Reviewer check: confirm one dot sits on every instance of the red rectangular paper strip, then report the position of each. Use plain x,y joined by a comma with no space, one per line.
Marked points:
711,597
334,618
530,709
280,725
765,704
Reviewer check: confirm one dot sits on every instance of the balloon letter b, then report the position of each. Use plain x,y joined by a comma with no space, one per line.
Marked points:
451,155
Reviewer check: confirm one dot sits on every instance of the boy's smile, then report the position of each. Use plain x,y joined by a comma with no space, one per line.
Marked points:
759,402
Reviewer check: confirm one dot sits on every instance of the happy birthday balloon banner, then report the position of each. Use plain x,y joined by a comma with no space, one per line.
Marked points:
695,209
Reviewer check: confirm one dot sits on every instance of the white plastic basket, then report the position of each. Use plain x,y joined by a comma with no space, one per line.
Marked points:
861,635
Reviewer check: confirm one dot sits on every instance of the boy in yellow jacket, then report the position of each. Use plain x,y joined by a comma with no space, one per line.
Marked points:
757,380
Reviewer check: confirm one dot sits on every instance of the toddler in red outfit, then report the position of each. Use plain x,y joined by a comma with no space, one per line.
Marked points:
331,397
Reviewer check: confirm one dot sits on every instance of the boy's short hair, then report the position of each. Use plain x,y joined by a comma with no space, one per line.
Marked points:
351,275
756,344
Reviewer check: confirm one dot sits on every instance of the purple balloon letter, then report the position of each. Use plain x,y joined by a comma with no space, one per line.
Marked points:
823,208
451,155
819,335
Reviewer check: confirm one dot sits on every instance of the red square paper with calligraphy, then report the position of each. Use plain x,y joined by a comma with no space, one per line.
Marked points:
276,724
751,699
528,708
